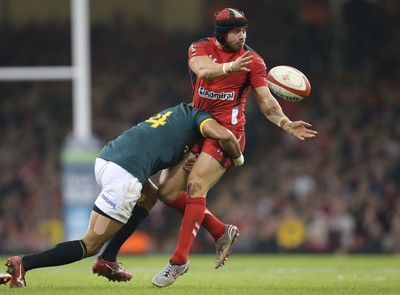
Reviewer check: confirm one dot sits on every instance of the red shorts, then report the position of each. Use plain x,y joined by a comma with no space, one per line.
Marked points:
212,147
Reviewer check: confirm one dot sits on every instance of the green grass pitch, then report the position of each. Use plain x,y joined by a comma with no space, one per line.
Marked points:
243,274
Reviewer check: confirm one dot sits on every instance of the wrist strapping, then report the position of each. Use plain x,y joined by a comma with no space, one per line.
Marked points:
231,67
239,161
284,122
286,126
223,68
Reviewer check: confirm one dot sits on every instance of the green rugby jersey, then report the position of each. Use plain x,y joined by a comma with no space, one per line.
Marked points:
157,143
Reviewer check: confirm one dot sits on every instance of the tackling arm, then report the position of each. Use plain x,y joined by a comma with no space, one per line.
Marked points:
212,129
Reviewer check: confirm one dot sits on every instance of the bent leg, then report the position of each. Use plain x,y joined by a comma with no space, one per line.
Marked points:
173,180
141,210
101,228
205,173
99,231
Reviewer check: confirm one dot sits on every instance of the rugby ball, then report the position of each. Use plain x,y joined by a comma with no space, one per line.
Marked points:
288,83
5,278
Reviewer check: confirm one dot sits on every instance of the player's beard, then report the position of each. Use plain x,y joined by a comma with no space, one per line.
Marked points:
236,46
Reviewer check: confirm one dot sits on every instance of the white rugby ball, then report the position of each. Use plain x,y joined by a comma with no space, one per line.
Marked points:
5,278
288,83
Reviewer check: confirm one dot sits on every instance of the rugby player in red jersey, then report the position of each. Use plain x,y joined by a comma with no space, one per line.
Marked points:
223,70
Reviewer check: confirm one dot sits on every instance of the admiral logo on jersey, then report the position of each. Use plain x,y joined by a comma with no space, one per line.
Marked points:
216,95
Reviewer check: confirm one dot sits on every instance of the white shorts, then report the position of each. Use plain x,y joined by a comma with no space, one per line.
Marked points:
120,190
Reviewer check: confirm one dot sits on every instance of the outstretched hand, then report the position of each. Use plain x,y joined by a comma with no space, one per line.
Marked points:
300,129
241,62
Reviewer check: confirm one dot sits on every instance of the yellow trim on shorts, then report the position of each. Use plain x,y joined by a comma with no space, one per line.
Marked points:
202,123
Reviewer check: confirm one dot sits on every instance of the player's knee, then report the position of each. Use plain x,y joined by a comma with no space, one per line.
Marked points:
194,188
148,203
167,194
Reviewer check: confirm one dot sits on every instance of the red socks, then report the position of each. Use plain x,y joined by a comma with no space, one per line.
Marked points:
179,204
194,214
212,224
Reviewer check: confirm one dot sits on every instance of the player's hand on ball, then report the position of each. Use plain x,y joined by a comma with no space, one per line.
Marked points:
300,129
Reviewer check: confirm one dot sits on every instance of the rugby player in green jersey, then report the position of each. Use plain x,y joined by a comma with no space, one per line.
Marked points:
122,169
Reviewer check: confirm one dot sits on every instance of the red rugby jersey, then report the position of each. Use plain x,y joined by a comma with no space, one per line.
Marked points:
225,97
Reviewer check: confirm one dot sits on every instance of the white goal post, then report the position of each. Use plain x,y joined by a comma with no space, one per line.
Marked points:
80,148
78,72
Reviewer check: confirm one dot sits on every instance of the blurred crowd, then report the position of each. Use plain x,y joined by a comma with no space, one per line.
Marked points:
337,193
